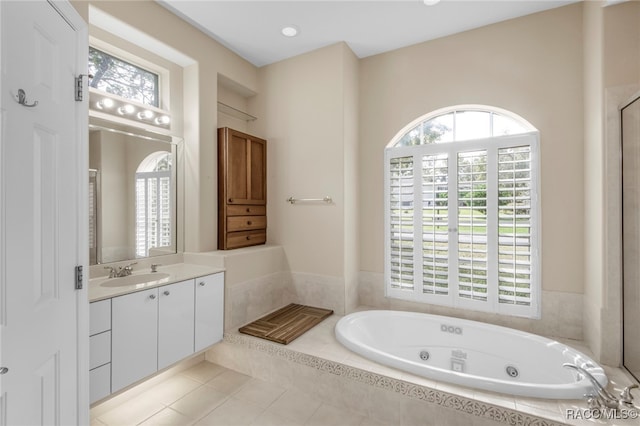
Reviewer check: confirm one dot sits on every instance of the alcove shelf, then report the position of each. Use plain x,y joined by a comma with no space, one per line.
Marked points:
234,112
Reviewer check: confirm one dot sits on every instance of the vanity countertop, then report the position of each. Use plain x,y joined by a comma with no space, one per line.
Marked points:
167,274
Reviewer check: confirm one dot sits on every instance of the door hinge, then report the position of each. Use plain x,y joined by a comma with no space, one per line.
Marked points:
79,277
79,86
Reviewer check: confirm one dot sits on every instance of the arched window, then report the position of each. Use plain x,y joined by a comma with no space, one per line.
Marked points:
461,211
153,203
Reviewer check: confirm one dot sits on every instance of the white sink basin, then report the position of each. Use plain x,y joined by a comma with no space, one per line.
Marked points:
146,279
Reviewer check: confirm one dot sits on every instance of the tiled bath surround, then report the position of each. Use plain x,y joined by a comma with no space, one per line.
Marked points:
317,364
561,312
258,280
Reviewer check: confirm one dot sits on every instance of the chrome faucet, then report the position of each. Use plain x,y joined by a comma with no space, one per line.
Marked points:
112,271
603,397
125,271
122,271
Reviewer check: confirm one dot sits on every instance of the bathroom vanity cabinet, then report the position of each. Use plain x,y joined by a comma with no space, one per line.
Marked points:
209,314
152,329
134,351
99,349
242,189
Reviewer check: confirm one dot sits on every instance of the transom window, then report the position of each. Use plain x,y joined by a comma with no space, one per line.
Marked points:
118,77
461,218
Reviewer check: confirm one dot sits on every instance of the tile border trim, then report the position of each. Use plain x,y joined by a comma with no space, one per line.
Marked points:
411,390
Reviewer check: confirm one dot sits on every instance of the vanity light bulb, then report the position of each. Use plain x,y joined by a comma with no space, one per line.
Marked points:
105,103
145,115
127,109
164,119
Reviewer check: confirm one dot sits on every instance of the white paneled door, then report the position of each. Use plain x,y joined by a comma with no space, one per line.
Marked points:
42,216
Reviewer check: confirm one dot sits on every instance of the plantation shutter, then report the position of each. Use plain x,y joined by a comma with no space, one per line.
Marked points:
435,224
164,208
153,211
472,225
401,212
462,224
514,217
141,217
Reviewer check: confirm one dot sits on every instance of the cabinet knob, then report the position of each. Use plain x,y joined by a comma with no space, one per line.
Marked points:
248,210
166,293
248,237
201,284
248,222
231,200
4,370
152,296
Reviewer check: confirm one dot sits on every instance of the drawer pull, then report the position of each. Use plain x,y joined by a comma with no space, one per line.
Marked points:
248,237
201,284
166,293
248,210
249,222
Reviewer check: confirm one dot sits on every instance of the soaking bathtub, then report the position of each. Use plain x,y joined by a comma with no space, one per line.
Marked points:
469,353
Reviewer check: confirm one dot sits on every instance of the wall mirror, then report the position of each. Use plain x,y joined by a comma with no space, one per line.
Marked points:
132,192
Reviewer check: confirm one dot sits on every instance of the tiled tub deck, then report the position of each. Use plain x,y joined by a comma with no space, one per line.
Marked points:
317,364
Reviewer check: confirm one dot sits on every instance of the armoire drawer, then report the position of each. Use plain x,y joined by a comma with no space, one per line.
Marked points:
246,238
246,223
246,210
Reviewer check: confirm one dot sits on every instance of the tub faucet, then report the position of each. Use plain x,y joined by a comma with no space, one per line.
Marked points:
625,396
604,398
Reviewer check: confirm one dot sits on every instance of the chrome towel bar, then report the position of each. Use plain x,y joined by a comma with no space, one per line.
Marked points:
326,199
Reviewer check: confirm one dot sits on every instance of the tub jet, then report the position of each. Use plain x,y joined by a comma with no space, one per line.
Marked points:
512,371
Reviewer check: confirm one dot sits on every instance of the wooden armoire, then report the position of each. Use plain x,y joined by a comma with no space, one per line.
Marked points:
242,189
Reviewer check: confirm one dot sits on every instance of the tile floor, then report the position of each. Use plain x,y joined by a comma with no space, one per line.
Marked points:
208,394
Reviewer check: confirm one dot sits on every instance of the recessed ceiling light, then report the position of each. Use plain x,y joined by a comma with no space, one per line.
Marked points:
290,31
431,2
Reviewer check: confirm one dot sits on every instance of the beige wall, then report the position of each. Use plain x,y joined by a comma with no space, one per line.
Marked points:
328,116
351,184
199,89
621,61
300,112
612,75
531,66
593,176
307,110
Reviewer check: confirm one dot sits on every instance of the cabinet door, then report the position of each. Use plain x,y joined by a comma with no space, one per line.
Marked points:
99,316
237,188
243,165
209,310
175,322
134,334
99,383
257,171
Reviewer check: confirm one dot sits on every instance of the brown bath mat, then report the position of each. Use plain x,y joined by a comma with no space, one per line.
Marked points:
286,324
